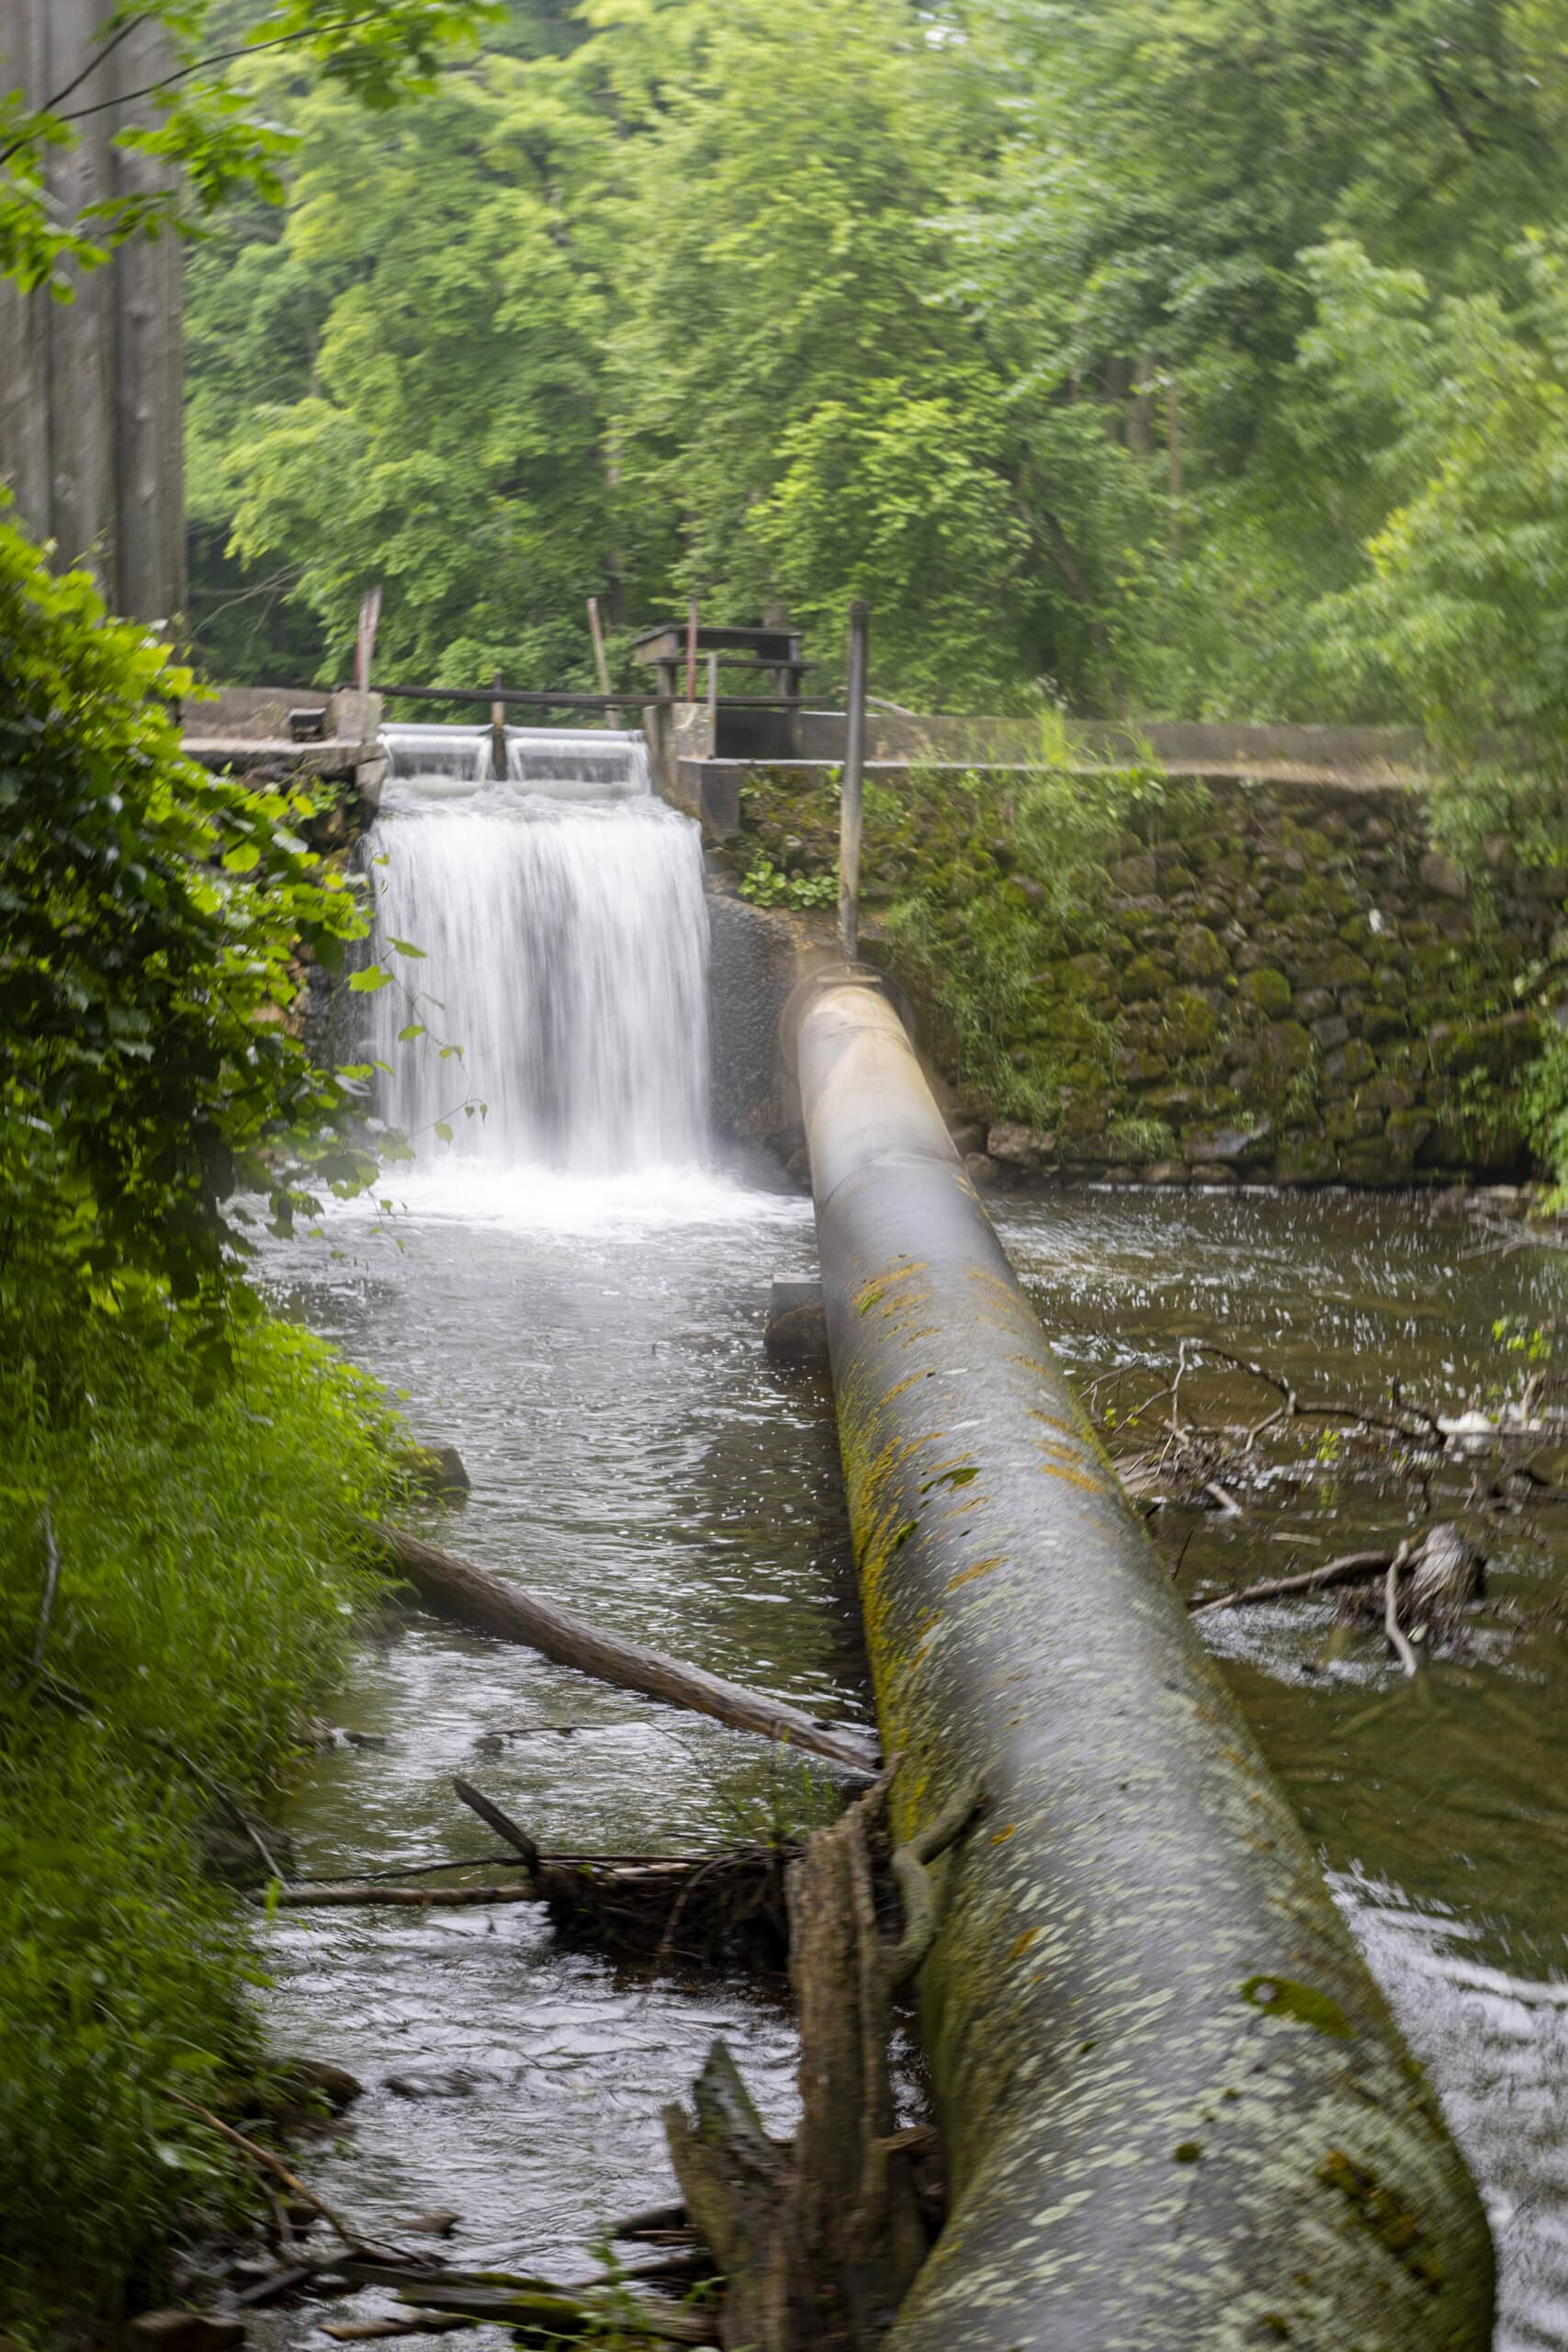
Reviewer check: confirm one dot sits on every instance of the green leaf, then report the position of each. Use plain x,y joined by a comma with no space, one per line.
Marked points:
372,979
442,1130
404,948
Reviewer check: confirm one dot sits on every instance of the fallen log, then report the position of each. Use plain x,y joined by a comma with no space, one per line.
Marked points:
382,2331
457,1588
559,2316
413,1898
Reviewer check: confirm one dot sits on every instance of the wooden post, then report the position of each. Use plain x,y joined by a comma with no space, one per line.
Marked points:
25,440
498,730
145,282
82,332
852,801
365,642
692,650
600,662
713,705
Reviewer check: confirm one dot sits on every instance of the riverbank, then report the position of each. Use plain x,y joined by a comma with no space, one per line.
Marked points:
182,1569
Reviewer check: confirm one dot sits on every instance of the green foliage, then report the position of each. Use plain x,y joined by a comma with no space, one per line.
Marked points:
1543,1111
208,1547
205,130
1139,1142
154,916
203,1471
767,885
1066,824
501,357
1464,401
1009,874
993,315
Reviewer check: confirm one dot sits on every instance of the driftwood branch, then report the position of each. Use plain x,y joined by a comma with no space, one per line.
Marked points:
502,1824
457,1588
1428,1582
222,1796
268,2162
726,1907
1353,1568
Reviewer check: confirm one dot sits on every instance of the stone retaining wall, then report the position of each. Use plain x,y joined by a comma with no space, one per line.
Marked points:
1277,980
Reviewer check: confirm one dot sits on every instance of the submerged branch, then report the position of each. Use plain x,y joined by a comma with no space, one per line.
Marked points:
268,2162
1397,1640
1351,1569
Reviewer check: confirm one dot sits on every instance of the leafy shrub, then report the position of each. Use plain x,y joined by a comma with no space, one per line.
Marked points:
209,1565
202,1470
767,885
154,916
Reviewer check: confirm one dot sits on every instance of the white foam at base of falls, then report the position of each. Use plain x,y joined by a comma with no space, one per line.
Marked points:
565,950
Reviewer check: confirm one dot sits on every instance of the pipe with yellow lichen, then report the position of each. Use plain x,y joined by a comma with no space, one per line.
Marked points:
1176,2110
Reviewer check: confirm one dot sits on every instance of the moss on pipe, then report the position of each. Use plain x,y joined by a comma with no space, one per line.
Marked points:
1177,2110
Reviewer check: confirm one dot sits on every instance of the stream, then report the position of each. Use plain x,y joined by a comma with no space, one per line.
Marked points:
595,1348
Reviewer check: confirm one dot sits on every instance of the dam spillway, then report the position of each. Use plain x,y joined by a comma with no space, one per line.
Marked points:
560,909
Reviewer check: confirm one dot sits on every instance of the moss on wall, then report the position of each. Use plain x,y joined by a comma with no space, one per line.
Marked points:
1208,979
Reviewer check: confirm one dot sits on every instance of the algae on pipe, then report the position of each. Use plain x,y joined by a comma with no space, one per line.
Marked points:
1176,2110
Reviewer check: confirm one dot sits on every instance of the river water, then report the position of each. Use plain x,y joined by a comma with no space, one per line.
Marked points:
595,1348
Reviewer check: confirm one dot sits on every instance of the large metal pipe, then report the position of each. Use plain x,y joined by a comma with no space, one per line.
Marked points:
1176,2111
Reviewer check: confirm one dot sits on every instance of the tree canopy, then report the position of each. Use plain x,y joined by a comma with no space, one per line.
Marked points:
1009,316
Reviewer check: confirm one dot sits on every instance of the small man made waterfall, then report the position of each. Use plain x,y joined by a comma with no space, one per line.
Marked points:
564,938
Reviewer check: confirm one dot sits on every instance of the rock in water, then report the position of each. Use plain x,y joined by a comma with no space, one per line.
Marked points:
436,1470
1447,1574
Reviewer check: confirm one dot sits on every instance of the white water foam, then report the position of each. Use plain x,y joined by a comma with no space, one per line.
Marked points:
565,952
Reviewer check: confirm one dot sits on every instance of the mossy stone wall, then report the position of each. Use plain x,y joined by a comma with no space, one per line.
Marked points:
1270,980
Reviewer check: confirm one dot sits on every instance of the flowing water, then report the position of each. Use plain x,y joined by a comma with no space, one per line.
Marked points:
559,990
593,1342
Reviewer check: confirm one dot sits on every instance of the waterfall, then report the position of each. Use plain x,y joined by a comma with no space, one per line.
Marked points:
564,932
